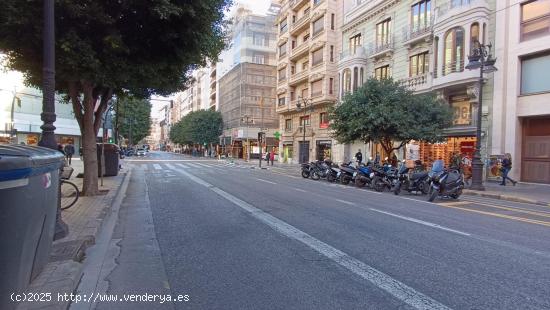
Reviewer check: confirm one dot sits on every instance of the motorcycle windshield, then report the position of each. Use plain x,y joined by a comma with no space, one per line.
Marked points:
438,165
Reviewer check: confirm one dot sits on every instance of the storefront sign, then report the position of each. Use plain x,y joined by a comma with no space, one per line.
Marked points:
462,113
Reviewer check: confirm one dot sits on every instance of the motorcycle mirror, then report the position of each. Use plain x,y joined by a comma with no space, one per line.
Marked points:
403,161
386,159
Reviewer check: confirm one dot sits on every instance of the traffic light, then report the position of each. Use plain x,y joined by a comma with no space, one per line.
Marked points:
111,140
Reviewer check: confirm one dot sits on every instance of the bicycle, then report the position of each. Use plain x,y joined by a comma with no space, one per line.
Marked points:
69,191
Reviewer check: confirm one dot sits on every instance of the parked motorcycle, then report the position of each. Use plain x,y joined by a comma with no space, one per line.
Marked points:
445,183
384,177
411,181
364,175
347,173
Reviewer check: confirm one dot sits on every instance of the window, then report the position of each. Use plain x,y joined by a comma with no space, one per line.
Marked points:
304,120
292,97
318,25
292,69
474,36
288,124
259,59
258,39
332,53
293,45
361,75
355,78
382,72
462,110
535,74
305,64
347,81
418,64
305,93
420,15
315,2
436,54
282,74
453,57
317,88
282,101
457,3
282,49
317,57
354,42
306,37
383,33
332,21
535,19
330,86
323,120
283,26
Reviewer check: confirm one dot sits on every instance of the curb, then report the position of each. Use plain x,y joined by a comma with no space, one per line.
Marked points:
63,276
506,197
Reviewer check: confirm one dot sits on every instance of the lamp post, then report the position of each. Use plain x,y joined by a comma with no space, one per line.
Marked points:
302,104
246,119
481,59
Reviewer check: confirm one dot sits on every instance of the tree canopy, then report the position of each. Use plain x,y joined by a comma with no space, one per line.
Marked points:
104,48
198,127
385,112
134,114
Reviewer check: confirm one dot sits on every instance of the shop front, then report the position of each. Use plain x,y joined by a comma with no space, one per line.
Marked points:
429,152
535,164
324,149
288,152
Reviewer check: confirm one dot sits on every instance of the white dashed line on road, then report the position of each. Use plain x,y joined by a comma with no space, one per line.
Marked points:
346,202
266,181
300,190
182,165
157,166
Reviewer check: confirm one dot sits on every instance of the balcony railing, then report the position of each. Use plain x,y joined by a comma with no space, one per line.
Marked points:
300,49
455,66
359,52
381,47
299,76
300,22
415,81
411,32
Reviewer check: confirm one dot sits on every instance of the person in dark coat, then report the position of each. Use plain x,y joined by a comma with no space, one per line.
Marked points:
506,167
359,156
69,152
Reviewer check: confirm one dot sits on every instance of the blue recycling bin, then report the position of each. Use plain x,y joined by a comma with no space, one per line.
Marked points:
29,195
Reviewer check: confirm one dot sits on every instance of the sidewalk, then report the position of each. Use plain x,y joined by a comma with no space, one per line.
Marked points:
523,192
62,274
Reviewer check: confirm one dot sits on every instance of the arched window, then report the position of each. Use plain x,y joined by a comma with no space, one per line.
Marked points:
361,75
436,55
484,33
453,57
474,36
355,78
347,81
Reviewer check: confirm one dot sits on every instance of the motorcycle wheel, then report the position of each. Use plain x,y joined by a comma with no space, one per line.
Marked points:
424,187
432,196
359,182
331,178
397,188
344,180
315,176
305,174
378,184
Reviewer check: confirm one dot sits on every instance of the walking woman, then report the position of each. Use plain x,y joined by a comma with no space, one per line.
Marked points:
506,167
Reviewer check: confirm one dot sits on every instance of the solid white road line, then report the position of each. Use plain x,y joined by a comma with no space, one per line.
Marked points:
346,202
193,165
266,181
203,165
385,282
410,219
300,190
182,165
157,166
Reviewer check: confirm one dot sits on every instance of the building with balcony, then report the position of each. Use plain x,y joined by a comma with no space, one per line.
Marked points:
424,44
307,78
521,112
246,84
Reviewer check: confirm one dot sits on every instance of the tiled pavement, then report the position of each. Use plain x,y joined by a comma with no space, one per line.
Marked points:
62,274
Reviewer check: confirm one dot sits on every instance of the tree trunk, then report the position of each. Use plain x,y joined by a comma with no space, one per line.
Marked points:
89,147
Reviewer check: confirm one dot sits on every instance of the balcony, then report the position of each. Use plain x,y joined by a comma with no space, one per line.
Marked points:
414,34
382,49
418,82
299,51
281,81
454,74
452,10
297,4
317,3
349,57
300,24
299,77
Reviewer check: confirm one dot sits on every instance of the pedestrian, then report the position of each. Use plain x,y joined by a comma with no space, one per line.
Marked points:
69,152
359,156
60,148
272,156
506,167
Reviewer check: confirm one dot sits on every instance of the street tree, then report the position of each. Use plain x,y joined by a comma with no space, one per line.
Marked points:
105,48
198,127
386,112
133,117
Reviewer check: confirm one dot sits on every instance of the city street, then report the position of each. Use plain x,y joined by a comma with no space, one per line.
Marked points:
232,237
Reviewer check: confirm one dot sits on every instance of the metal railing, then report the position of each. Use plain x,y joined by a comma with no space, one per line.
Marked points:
455,66
414,81
300,21
412,32
382,47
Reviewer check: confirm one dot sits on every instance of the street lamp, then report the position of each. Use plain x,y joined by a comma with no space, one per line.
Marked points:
302,104
481,59
247,119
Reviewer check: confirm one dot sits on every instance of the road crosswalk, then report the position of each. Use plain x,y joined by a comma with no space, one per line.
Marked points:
161,166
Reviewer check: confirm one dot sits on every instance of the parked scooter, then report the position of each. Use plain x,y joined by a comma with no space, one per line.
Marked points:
347,173
411,181
384,177
364,175
445,183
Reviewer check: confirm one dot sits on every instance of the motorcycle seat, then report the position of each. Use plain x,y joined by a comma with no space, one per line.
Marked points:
453,177
418,175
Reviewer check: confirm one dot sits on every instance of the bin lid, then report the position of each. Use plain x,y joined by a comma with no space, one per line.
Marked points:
22,161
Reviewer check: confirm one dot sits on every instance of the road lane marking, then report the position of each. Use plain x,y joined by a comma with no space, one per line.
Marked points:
266,181
182,165
346,202
170,166
193,165
520,210
410,219
385,282
157,167
300,190
207,166
521,219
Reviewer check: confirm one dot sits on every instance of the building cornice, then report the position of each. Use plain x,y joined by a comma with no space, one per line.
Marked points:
368,15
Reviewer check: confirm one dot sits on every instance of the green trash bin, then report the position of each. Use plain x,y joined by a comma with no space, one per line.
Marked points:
112,154
29,191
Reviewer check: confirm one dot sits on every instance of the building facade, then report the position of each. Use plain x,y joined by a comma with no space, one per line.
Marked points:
424,44
246,85
522,88
307,78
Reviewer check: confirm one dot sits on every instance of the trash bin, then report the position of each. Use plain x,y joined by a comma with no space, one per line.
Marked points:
111,159
29,191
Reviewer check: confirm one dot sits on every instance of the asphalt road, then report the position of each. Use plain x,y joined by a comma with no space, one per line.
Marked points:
232,237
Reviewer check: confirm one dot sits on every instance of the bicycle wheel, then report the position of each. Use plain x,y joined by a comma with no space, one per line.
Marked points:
69,194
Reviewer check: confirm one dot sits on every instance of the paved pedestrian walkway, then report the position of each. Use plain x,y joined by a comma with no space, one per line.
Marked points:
522,192
62,274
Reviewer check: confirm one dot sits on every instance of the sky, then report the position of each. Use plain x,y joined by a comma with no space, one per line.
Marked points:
257,6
